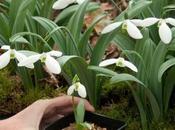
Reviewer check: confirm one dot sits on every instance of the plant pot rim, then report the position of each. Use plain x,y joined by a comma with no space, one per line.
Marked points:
98,119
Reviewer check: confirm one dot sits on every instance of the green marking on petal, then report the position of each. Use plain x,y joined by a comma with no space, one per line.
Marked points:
120,62
76,86
43,58
12,54
124,26
160,22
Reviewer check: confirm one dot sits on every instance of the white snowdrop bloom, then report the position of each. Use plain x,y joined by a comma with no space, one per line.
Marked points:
61,4
121,62
129,25
164,30
11,54
77,87
52,65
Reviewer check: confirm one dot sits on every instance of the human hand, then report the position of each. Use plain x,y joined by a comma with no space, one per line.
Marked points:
42,112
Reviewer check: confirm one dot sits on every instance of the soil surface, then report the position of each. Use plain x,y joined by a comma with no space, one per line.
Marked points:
95,127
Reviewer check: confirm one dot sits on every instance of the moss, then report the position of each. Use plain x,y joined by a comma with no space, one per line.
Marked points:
121,106
5,84
13,98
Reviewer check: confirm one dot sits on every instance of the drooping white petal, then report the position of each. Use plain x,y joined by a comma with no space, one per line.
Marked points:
55,53
5,47
130,65
52,65
29,60
61,4
20,57
108,62
4,59
71,90
149,21
80,1
133,31
137,22
30,66
165,33
81,90
170,21
111,27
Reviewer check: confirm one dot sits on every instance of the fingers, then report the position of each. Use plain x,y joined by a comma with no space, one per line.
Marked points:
87,105
62,106
66,101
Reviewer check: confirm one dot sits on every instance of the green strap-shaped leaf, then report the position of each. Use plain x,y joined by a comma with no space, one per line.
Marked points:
124,42
19,39
57,36
124,77
83,44
19,36
164,67
134,10
99,50
154,104
76,22
104,71
157,7
65,15
5,28
20,16
156,61
168,88
80,112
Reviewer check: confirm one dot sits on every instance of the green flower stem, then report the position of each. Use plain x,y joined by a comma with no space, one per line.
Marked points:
74,107
116,6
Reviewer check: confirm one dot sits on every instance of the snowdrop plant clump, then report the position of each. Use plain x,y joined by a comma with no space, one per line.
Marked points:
79,110
155,66
61,4
132,27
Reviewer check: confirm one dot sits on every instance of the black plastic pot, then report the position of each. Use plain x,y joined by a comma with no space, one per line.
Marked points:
97,119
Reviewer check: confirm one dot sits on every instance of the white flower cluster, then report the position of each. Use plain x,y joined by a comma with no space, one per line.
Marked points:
47,58
131,26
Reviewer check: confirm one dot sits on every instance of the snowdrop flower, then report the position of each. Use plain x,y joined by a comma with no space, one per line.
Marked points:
78,87
47,58
61,4
129,25
164,31
121,62
11,54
